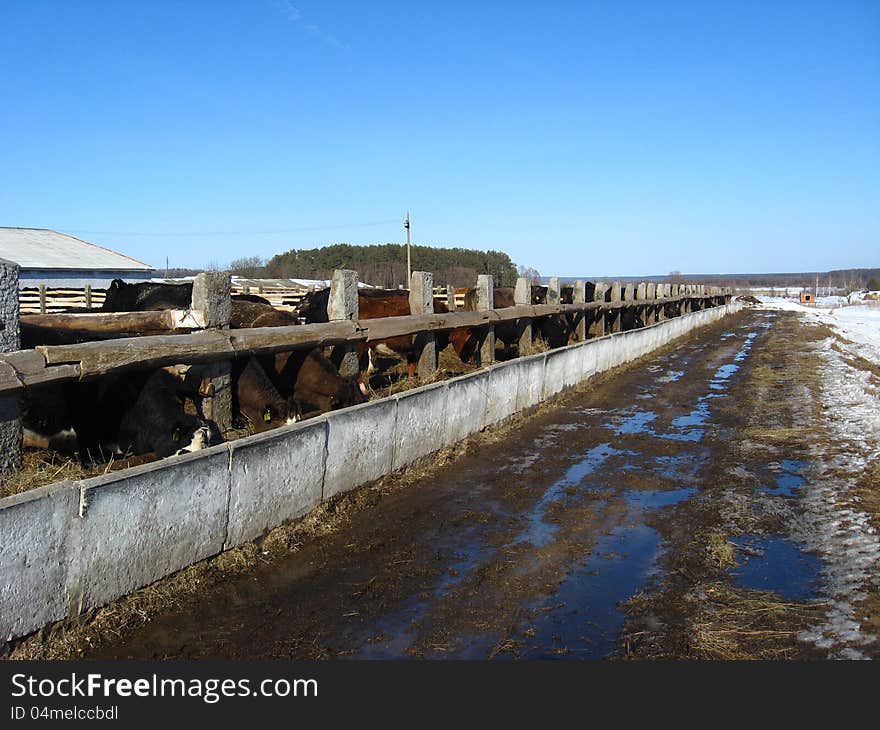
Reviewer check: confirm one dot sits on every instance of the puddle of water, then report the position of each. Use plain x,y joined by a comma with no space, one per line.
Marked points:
582,619
654,498
788,481
678,468
539,532
636,423
778,566
671,376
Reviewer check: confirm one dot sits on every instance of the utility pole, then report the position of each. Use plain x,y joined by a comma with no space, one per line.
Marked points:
166,267
408,263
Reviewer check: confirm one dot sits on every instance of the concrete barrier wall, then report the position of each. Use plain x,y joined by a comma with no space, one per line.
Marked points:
76,545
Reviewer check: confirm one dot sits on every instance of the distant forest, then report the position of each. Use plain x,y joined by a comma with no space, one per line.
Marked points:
385,265
845,279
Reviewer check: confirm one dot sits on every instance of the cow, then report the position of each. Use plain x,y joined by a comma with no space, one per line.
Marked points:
313,384
305,378
145,296
131,413
248,313
255,399
157,422
272,392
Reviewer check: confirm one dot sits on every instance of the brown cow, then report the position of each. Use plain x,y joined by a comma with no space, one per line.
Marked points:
306,379
256,400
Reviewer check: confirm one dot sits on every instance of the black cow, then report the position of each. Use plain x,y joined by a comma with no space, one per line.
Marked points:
145,296
131,413
158,423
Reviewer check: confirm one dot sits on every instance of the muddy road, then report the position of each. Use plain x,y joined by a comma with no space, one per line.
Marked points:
670,509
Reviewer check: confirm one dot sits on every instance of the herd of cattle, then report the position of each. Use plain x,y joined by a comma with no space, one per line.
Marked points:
160,413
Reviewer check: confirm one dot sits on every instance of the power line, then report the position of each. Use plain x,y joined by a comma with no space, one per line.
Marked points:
304,229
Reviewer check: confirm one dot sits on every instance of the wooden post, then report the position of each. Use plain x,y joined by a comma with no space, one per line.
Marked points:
42,299
597,326
579,296
212,295
615,315
486,300
450,297
522,296
651,293
10,341
421,301
343,304
89,296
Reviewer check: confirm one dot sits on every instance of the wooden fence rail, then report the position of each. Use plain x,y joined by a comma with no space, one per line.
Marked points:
58,363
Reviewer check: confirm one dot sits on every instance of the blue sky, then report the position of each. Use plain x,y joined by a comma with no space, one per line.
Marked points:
588,138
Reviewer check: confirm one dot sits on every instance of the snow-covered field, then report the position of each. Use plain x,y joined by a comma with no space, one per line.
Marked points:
834,525
858,322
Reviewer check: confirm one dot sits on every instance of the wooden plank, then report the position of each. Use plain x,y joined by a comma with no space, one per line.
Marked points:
104,322
30,368
91,359
8,379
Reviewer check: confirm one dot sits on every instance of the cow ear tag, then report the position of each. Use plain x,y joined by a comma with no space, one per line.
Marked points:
176,435
267,416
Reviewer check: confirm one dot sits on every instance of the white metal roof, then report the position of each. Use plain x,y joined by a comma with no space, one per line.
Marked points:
41,248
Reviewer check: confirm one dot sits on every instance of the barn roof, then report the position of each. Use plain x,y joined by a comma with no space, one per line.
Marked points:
41,248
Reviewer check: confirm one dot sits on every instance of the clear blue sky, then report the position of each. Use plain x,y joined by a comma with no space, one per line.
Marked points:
582,138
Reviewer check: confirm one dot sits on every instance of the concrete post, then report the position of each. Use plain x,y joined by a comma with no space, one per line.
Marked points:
10,340
553,291
421,301
579,296
654,309
486,300
212,295
615,319
597,326
450,297
642,310
343,304
522,296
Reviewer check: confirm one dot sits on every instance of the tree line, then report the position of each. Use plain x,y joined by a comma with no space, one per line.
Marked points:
384,265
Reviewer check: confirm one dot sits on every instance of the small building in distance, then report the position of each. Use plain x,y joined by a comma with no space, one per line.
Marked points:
807,298
59,261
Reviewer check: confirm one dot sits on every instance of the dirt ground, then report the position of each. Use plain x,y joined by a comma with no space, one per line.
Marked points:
674,508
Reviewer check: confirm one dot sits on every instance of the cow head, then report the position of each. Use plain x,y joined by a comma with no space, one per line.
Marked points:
320,387
186,434
257,400
313,307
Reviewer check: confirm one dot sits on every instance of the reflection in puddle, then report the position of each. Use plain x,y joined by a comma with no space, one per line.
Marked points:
636,423
788,481
653,498
671,376
582,619
539,532
777,564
